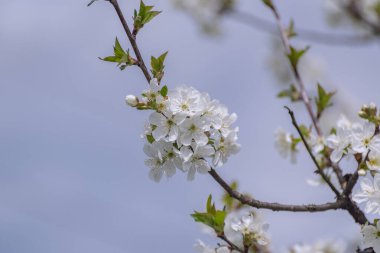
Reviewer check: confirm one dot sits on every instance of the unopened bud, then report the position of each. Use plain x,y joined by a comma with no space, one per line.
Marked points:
362,172
131,100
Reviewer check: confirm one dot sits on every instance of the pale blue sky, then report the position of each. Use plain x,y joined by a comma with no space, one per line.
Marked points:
72,171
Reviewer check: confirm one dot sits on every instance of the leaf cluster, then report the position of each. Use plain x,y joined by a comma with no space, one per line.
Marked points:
121,57
158,66
212,217
143,16
323,100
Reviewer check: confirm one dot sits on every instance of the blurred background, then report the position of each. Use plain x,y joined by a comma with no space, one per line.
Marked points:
72,173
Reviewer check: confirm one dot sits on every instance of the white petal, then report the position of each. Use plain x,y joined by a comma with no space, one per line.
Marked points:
156,175
186,139
173,133
200,138
157,119
336,155
191,174
160,132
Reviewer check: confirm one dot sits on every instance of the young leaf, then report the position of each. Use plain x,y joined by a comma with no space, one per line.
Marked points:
323,100
121,57
164,91
143,16
212,217
158,66
295,55
290,30
269,3
291,93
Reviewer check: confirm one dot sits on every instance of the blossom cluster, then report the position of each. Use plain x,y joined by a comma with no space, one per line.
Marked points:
187,130
243,228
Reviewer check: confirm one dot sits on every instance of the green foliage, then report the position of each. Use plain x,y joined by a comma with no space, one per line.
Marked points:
295,55
150,138
143,16
292,93
158,66
121,57
164,91
376,8
269,3
212,217
290,31
323,100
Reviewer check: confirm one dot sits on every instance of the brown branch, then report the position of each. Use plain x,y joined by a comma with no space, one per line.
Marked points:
355,11
132,40
274,206
320,170
230,244
299,80
325,38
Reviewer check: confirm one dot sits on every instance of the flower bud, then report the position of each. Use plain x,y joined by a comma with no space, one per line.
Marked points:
362,172
131,100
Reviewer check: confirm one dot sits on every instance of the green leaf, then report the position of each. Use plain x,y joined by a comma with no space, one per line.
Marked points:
295,55
121,57
290,30
143,16
150,138
323,100
291,93
212,217
164,91
158,66
117,49
269,3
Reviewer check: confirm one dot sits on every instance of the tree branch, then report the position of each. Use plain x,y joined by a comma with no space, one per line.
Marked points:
230,244
325,38
274,206
299,80
132,40
320,170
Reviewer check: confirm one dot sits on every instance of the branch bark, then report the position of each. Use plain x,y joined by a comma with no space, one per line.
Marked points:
132,40
330,39
320,170
312,208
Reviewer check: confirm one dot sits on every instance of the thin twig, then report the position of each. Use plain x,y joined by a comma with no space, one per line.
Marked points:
325,38
299,80
230,244
320,170
312,208
355,11
132,40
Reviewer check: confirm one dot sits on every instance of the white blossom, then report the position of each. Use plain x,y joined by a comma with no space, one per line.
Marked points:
131,100
373,161
194,128
243,226
323,246
364,139
284,144
195,160
166,125
186,100
187,130
371,236
201,247
370,194
153,91
339,142
224,148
